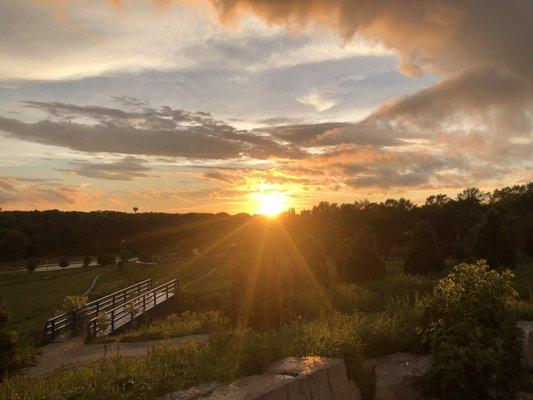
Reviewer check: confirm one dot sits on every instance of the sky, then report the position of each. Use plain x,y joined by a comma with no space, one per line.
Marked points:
217,105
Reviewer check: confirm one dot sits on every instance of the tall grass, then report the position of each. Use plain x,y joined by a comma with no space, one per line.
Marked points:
174,326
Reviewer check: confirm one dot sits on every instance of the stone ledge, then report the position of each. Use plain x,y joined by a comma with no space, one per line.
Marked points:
294,378
398,376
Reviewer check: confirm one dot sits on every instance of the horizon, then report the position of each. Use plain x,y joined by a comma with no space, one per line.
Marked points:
244,106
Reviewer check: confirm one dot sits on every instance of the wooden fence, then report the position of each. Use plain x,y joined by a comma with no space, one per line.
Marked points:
68,321
107,323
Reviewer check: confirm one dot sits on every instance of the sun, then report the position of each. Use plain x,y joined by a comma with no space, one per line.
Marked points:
271,204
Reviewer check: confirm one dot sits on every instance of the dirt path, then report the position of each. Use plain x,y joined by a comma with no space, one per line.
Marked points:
55,355
92,285
201,276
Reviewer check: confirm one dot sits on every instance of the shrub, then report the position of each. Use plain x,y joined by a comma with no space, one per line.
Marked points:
423,255
361,261
105,259
31,264
8,344
471,331
146,256
63,262
71,303
87,261
493,243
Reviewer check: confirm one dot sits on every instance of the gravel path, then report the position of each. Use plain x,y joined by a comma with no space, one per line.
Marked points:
92,285
55,355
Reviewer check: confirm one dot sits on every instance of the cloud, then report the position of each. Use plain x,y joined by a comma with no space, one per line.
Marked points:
440,36
125,169
165,131
20,193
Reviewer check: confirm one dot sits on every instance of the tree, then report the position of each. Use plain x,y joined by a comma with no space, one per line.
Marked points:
423,254
8,344
105,259
13,244
64,262
361,261
492,242
146,256
184,247
87,261
31,264
135,209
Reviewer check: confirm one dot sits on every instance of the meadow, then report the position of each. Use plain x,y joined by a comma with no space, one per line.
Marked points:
367,320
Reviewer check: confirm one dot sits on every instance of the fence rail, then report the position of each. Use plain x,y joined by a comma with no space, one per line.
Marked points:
133,308
67,321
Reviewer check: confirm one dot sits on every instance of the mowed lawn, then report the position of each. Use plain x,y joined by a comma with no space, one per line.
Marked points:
32,298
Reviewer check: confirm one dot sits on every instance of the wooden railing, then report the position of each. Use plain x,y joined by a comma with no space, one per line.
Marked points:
68,321
104,324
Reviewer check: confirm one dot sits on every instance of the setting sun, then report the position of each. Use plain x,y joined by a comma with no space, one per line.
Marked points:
271,204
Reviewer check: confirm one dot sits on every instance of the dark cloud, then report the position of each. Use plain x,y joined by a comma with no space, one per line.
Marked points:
164,132
334,133
125,169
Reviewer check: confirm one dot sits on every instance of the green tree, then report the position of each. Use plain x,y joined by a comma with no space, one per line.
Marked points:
8,344
361,261
493,243
423,255
471,331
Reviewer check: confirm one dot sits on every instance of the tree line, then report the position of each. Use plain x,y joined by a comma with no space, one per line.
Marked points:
455,224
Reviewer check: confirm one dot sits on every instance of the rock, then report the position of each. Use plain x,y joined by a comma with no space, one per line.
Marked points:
398,376
527,336
294,378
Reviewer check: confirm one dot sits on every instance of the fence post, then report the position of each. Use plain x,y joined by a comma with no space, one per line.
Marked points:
144,302
112,320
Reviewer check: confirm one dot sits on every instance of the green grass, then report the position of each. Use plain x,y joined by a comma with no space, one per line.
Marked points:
32,298
227,356
174,326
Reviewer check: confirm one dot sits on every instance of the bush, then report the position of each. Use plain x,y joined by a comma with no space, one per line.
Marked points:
493,243
361,262
146,256
423,255
71,303
471,330
105,259
8,344
87,261
31,264
63,262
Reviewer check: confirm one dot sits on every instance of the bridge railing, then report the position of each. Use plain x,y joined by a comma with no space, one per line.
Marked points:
104,324
68,321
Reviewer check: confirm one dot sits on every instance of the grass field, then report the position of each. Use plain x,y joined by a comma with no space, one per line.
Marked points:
32,298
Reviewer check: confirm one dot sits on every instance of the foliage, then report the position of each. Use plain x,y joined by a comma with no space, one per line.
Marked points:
470,328
31,264
176,325
493,243
63,262
146,256
71,303
102,321
8,344
361,262
87,260
13,244
423,255
105,259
